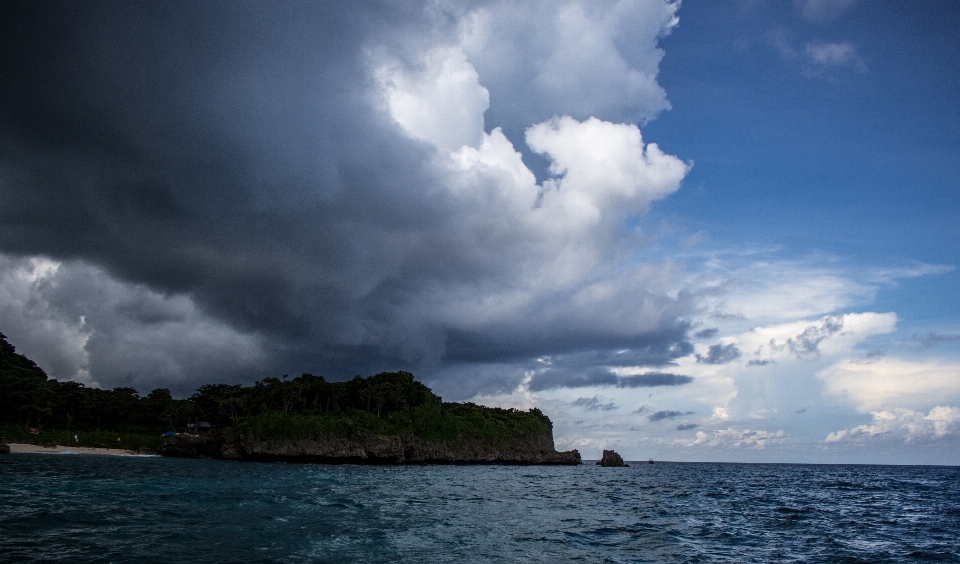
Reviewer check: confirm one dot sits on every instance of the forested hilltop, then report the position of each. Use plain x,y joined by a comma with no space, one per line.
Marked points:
273,410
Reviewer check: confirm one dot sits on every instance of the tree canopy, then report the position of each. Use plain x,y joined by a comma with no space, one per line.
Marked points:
385,404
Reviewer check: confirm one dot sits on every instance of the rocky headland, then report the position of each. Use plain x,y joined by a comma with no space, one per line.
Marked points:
387,418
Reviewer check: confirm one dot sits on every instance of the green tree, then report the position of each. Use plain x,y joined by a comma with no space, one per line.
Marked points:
24,395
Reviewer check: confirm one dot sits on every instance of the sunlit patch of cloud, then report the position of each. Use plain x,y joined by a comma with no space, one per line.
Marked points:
815,58
874,383
735,438
904,425
827,55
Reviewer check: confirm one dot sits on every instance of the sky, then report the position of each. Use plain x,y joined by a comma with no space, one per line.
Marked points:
697,231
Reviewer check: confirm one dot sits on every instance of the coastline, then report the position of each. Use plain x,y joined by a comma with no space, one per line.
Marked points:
25,448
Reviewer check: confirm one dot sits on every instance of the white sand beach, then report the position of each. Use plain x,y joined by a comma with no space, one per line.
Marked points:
20,448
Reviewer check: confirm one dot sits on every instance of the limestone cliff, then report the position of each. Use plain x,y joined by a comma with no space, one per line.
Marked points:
404,448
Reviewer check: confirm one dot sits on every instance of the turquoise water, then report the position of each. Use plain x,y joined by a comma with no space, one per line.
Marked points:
67,508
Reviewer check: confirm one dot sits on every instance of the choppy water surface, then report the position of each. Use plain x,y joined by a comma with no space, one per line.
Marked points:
135,509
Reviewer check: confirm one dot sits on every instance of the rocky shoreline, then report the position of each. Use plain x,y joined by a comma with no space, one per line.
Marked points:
535,449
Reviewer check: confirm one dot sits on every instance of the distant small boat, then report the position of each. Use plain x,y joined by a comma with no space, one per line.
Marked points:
650,461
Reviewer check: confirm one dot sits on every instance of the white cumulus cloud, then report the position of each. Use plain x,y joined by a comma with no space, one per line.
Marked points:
440,100
772,291
603,165
834,55
808,340
907,425
735,438
545,58
555,235
874,383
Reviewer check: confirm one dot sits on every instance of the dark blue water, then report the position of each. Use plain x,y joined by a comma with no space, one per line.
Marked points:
63,508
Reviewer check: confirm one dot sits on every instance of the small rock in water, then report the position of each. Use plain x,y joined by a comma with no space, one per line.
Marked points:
4,448
611,458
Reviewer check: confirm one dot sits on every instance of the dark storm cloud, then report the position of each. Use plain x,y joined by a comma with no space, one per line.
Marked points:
706,333
654,379
220,150
806,345
658,348
594,404
935,339
720,354
462,381
79,324
229,163
199,148
661,415
552,379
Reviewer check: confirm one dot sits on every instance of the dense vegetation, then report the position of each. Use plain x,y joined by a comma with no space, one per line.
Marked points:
386,404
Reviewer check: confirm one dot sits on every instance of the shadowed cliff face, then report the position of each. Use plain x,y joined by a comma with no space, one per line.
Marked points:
329,448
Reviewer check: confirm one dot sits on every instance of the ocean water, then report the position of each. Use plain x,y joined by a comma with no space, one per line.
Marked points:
65,508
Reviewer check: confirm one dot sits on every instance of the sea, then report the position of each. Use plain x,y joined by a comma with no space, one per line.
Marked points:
87,508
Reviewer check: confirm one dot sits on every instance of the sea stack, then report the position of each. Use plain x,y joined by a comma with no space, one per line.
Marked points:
611,458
